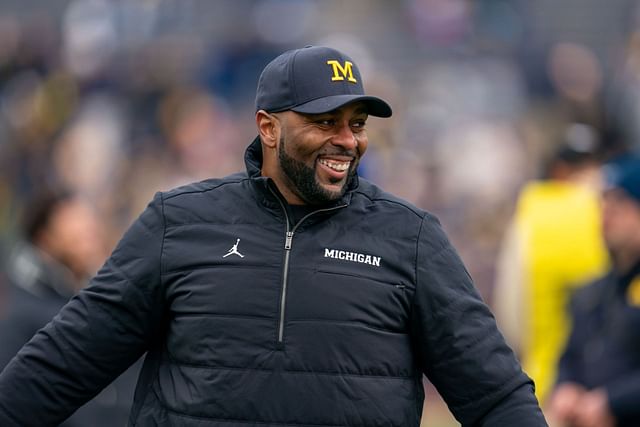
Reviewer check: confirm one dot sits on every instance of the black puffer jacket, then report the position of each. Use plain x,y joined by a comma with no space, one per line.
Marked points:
249,321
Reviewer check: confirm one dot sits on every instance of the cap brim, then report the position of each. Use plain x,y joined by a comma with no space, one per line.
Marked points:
375,106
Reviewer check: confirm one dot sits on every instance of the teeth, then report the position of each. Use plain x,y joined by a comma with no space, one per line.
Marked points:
337,166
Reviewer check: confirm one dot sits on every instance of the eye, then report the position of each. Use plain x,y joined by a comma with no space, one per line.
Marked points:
326,122
359,124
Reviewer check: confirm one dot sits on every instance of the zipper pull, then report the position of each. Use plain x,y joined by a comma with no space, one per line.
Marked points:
287,243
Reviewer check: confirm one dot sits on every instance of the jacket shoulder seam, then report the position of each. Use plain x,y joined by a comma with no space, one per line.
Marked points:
419,214
181,192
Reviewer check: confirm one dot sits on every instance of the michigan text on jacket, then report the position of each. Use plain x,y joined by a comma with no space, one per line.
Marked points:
352,256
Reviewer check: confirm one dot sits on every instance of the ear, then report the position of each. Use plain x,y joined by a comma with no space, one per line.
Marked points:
268,128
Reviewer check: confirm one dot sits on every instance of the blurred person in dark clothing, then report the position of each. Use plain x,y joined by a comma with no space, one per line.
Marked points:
62,247
294,293
599,372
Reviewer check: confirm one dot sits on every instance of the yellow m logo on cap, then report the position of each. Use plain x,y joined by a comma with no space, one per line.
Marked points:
340,72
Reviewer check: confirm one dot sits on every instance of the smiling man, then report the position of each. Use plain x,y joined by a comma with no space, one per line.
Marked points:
313,158
291,294
311,118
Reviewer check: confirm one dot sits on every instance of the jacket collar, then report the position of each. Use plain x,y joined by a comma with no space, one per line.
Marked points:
253,158
253,162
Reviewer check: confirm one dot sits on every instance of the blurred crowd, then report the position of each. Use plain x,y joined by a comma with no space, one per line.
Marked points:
112,101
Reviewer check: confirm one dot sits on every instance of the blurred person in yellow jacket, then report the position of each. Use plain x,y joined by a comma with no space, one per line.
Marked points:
552,246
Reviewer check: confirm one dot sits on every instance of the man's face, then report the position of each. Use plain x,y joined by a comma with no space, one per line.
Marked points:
318,153
620,221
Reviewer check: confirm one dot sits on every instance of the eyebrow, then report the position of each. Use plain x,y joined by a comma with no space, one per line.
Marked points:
360,110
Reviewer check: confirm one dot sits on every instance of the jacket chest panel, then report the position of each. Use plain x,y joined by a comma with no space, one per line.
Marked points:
222,284
345,275
227,269
333,296
225,287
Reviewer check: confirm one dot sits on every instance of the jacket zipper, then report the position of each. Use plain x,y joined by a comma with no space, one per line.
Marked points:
288,243
285,276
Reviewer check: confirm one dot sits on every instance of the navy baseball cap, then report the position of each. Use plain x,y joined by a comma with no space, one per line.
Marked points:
624,173
314,80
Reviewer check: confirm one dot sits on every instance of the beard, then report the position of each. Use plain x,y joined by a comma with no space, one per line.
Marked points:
303,182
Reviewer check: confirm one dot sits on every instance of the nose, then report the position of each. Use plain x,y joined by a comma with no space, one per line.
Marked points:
344,137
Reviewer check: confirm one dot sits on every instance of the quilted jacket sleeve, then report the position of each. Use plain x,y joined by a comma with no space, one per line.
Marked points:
458,343
95,337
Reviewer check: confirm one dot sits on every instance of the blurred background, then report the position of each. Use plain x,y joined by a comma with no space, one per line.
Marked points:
116,100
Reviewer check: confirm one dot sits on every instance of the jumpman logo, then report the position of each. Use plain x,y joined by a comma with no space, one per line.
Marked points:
234,250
